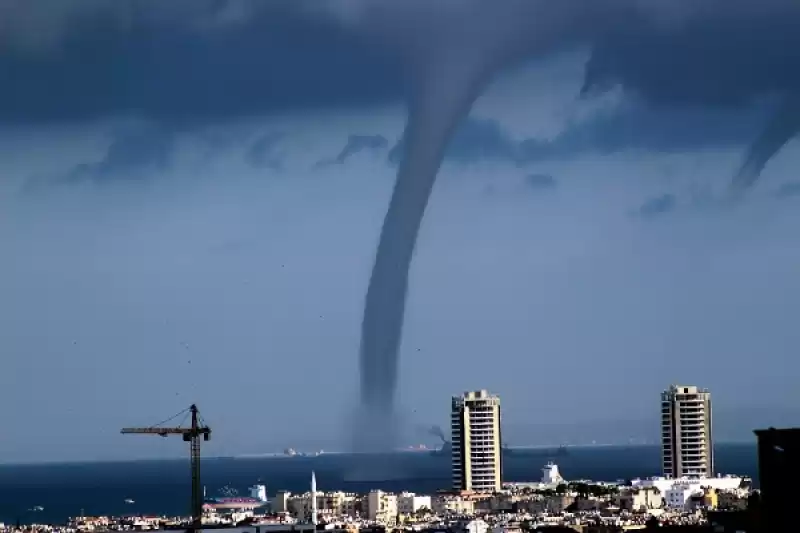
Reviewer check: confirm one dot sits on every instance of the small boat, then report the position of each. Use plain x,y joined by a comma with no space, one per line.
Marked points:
129,501
38,509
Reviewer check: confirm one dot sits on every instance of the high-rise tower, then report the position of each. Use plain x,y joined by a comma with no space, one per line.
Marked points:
686,443
476,446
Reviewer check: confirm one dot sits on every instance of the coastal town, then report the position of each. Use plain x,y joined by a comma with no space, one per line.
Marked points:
688,494
581,505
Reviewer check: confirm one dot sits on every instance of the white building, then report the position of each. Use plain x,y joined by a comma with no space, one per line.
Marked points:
382,507
267,527
640,499
329,505
476,526
409,503
476,446
678,496
663,484
678,492
686,443
453,504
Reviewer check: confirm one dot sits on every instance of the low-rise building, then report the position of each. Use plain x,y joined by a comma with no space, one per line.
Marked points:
732,500
639,499
382,507
718,482
445,504
409,503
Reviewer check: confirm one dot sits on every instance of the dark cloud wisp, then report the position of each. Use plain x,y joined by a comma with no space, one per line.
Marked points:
659,205
131,155
356,144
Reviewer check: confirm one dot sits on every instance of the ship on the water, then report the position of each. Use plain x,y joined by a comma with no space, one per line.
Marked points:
291,452
229,500
506,450
551,453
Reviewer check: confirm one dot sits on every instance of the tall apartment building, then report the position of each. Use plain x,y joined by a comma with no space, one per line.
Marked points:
686,443
476,447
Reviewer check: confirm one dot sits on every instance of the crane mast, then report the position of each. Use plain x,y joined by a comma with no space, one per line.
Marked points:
193,434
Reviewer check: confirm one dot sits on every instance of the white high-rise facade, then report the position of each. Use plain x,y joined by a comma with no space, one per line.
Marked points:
476,446
686,443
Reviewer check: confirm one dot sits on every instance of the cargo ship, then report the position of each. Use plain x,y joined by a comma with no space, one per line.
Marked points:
229,500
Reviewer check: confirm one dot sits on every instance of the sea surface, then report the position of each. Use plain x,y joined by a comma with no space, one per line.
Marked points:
162,487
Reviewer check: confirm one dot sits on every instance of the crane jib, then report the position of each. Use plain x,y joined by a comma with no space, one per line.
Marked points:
191,435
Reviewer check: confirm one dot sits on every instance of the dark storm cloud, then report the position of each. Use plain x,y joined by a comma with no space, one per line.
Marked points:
132,154
274,60
214,59
715,59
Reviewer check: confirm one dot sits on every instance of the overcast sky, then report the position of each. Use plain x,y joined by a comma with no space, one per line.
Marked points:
189,213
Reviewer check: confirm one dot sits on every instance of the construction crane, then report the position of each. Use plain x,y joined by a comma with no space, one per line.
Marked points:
192,435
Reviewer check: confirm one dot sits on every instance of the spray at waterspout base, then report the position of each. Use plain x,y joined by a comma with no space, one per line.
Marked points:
374,429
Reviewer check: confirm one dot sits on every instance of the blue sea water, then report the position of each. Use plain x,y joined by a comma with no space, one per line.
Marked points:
162,487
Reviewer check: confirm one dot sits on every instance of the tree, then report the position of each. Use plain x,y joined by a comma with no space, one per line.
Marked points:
581,488
652,523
